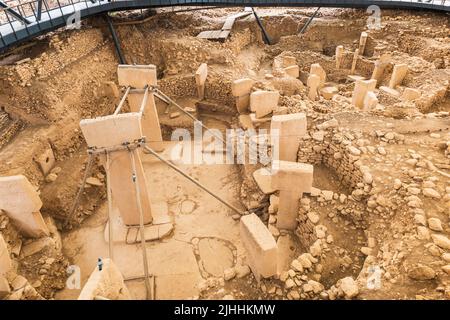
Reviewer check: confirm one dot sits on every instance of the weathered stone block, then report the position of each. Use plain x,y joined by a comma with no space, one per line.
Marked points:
320,72
21,202
289,61
410,94
112,130
136,76
398,74
241,87
360,91
292,71
200,79
313,84
292,176
260,246
264,102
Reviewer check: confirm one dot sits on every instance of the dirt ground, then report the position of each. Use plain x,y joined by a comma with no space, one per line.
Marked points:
381,196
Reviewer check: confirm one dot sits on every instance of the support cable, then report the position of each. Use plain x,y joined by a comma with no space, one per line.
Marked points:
184,174
109,195
141,221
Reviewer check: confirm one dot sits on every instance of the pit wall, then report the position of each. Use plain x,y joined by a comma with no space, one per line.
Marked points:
322,35
33,93
217,87
334,151
178,55
172,55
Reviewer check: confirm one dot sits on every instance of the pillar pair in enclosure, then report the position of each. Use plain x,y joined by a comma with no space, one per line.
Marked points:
291,178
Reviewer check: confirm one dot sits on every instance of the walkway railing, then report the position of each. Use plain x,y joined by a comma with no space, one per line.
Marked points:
21,20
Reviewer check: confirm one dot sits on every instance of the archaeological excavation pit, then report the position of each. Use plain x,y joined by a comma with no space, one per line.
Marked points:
224,153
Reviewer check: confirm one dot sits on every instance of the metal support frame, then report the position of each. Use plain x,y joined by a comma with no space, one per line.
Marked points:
122,101
109,197
124,146
131,147
144,101
39,10
14,13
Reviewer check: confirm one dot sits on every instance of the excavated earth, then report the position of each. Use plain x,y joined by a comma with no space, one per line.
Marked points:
380,205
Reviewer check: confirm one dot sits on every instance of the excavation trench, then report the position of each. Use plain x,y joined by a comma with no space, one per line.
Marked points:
40,138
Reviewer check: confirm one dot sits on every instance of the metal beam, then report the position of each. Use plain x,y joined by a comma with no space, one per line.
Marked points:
14,13
115,39
264,32
39,10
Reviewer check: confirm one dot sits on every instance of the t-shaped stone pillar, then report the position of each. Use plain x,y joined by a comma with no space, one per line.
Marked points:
339,56
200,80
286,132
107,283
354,61
264,102
261,247
370,101
138,77
360,91
21,202
319,71
313,84
110,132
292,179
398,74
380,66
